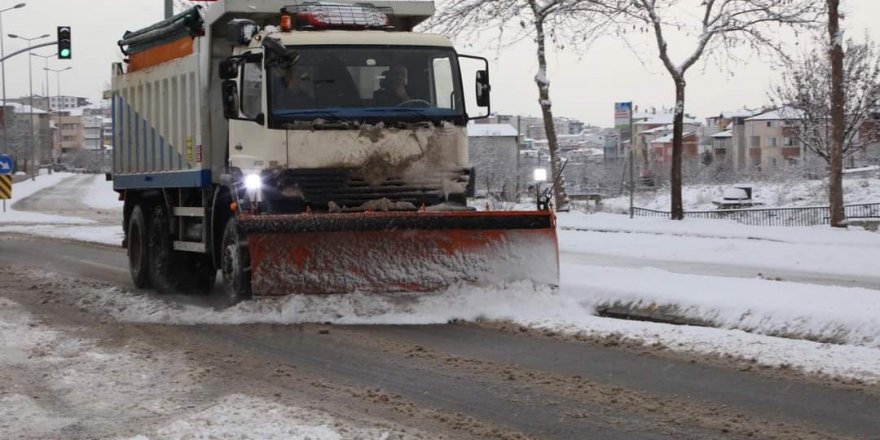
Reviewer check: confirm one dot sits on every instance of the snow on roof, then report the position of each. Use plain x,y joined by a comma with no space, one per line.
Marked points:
24,109
741,113
781,113
657,129
491,130
665,119
723,134
668,138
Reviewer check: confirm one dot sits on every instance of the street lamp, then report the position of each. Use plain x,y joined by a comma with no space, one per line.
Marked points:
58,105
3,73
31,101
46,59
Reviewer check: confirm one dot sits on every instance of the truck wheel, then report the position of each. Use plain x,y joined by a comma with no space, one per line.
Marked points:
235,264
138,253
167,272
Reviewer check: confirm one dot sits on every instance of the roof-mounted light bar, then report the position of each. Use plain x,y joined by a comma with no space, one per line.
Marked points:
317,15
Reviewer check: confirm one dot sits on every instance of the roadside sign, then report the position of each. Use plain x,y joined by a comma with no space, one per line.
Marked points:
6,164
5,186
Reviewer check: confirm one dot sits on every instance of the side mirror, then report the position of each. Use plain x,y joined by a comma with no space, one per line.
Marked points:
278,55
230,99
229,68
483,88
240,31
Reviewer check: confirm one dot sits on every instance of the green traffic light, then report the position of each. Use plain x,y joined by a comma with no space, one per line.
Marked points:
64,53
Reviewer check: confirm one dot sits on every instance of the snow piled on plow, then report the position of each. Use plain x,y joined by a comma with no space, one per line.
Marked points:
459,303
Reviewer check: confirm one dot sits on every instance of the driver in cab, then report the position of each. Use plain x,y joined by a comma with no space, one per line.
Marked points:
393,87
293,92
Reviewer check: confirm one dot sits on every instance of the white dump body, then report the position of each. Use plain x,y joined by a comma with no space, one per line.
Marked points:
169,128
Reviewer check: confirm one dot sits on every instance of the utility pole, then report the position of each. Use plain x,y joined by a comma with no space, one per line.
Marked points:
3,73
31,102
169,8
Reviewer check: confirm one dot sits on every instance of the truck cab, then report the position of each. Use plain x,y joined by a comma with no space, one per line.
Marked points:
332,110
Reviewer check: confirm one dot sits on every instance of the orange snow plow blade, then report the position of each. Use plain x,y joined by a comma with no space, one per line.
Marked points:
399,251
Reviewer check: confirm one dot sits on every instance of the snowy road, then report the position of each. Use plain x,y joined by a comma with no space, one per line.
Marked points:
421,377
84,355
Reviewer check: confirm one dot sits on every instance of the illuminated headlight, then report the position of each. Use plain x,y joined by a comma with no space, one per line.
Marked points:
253,182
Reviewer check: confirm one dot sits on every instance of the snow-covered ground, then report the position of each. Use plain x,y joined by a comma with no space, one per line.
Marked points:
244,417
97,194
770,194
116,390
819,250
25,189
761,319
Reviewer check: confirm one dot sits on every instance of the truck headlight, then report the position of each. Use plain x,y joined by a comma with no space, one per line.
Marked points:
253,182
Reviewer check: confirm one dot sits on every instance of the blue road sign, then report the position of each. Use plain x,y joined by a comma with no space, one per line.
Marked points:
6,164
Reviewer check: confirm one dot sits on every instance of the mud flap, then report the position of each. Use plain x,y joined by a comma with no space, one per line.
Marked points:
399,251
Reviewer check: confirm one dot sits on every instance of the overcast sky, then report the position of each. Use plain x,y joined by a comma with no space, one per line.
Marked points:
585,82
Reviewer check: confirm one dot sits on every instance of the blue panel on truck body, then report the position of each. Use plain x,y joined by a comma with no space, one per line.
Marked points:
168,179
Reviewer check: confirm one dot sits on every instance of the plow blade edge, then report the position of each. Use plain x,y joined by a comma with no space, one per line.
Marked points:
399,251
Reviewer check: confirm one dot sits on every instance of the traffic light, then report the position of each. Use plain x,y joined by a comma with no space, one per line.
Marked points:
64,52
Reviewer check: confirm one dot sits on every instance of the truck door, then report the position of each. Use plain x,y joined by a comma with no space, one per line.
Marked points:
245,107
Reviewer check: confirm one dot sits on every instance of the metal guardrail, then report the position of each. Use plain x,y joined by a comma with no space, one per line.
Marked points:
804,216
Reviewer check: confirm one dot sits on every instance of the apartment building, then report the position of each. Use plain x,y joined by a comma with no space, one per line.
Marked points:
725,137
771,139
651,131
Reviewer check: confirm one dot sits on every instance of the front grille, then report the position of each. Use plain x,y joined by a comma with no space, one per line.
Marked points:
345,188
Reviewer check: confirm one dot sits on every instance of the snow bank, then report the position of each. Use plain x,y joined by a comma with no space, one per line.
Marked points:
826,313
99,194
603,222
109,235
771,194
243,417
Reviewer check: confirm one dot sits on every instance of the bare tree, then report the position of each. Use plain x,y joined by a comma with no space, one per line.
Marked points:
558,20
804,96
835,172
722,25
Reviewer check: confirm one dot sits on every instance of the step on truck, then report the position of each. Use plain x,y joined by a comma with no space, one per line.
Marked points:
308,148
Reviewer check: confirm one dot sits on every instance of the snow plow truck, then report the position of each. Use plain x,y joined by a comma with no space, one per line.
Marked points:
308,148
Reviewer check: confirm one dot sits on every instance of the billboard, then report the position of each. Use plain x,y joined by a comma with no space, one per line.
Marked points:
623,124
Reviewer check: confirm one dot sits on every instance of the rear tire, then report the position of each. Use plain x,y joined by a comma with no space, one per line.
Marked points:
235,264
166,264
138,252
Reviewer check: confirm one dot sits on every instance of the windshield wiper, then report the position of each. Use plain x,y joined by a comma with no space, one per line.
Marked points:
331,114
416,111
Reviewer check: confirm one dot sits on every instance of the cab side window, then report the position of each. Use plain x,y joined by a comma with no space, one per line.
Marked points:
252,89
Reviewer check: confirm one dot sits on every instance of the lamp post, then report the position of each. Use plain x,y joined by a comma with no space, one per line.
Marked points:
46,59
3,74
58,106
31,102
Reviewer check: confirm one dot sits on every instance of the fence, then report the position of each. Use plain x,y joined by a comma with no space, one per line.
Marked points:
806,216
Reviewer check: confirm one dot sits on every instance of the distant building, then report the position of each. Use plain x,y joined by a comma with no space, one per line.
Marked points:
660,149
730,147
21,143
772,139
532,127
53,103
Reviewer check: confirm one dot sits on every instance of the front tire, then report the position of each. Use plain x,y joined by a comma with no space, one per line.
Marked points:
138,252
235,264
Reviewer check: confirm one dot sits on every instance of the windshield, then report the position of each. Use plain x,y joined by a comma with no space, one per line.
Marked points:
366,82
